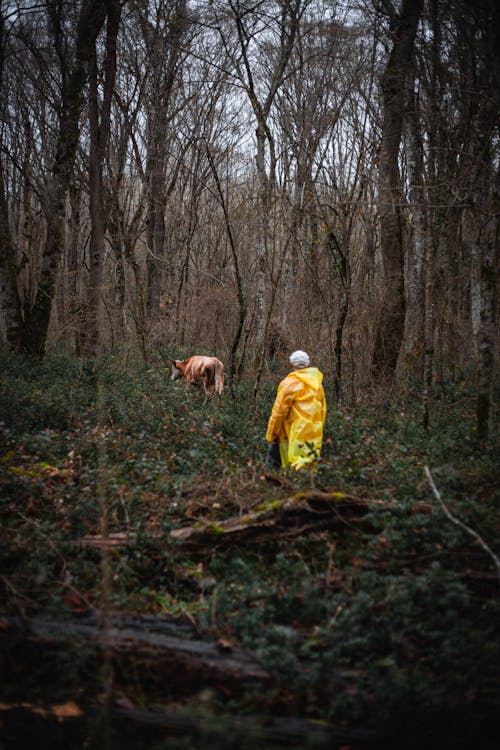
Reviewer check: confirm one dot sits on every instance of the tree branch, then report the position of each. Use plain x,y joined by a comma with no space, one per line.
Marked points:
462,525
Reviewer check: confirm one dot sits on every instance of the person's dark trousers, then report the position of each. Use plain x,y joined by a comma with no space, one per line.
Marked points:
272,460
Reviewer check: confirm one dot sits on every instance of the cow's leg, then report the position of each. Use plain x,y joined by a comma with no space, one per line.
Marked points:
207,392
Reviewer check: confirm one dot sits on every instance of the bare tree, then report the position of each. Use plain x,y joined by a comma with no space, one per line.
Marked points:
99,129
309,106
164,35
269,33
73,70
487,199
390,325
416,254
10,310
461,183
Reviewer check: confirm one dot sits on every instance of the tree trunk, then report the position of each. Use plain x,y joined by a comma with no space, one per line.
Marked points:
99,137
90,22
428,360
487,167
390,325
487,328
97,221
242,303
11,321
160,114
260,281
73,268
339,334
156,228
416,254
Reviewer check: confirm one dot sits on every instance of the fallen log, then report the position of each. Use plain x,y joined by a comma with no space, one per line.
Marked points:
131,725
275,730
167,646
305,513
73,724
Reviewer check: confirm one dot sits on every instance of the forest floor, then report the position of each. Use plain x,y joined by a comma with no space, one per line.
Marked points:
159,590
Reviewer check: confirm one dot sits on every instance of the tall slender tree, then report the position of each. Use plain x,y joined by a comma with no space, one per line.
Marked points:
249,29
486,198
99,130
10,310
74,69
390,324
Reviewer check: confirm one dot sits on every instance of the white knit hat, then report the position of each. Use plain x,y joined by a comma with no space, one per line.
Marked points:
299,359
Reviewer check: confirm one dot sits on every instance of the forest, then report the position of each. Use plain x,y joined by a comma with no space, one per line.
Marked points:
241,179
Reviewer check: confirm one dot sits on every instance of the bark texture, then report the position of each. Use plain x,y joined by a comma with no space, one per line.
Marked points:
390,326
90,22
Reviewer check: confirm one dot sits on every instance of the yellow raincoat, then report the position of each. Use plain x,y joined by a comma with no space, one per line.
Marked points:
298,416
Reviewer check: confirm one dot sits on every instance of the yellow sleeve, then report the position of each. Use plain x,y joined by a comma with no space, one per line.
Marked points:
282,404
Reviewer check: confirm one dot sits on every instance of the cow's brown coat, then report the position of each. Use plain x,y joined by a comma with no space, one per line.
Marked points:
200,371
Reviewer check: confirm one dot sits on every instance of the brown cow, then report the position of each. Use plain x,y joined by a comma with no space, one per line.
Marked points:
203,372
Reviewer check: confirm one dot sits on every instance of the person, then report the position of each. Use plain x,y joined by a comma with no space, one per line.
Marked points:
295,428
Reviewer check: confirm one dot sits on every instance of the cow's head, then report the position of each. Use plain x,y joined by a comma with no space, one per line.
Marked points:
175,372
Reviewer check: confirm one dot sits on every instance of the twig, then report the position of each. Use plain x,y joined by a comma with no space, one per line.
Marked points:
462,525
17,598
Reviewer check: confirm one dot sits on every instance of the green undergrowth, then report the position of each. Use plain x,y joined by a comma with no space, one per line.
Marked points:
391,624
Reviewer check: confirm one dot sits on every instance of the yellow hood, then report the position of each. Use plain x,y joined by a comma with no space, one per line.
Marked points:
311,376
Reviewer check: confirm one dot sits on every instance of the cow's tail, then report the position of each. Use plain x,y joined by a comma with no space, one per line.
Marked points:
219,377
